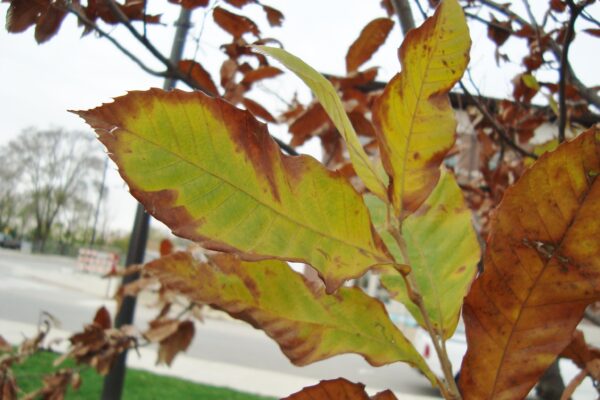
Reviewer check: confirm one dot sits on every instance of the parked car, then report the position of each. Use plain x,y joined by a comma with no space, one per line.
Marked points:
9,242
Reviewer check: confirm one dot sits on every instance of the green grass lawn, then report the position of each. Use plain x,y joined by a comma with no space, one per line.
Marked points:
139,385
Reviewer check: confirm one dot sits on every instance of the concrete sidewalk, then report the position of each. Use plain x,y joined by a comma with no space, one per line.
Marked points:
251,380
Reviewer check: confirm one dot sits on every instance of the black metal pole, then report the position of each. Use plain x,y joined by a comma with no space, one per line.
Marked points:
114,380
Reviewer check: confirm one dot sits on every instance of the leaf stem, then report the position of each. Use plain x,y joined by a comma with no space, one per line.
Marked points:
449,389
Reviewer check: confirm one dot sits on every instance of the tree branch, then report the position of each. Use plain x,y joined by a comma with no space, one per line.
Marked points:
90,24
564,63
173,71
497,127
590,95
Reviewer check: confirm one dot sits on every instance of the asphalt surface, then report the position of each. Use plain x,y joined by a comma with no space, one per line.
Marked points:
26,291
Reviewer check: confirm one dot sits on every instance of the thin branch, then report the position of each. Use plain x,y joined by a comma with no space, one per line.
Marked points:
288,149
530,14
502,8
497,127
421,10
564,62
585,15
590,95
173,71
90,24
484,21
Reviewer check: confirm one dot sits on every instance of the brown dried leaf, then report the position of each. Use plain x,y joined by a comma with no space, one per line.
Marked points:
133,9
558,5
4,345
361,124
166,247
55,386
199,75
370,39
260,73
542,269
8,386
234,24
135,287
388,7
161,329
228,70
102,318
179,341
239,3
48,23
172,335
311,122
385,395
499,32
593,31
582,354
526,31
274,16
98,347
338,389
522,92
31,345
257,110
22,14
190,4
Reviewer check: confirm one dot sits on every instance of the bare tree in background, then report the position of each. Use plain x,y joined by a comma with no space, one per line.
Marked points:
54,166
8,191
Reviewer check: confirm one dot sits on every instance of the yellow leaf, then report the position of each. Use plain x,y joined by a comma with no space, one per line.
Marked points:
308,324
329,99
416,125
212,173
443,253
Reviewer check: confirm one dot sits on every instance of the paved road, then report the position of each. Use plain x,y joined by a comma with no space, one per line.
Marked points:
32,284
25,292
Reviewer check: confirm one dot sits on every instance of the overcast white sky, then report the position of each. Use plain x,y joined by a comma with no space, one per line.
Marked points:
39,83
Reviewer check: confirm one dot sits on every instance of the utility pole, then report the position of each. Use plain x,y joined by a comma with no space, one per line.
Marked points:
113,382
405,16
100,195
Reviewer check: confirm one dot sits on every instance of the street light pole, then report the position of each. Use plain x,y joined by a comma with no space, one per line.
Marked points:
100,195
113,383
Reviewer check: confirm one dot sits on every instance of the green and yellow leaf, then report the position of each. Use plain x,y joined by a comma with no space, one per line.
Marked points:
329,99
308,324
213,174
415,122
541,270
443,252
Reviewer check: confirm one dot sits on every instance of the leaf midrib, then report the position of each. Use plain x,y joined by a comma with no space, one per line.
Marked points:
282,215
418,101
535,283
